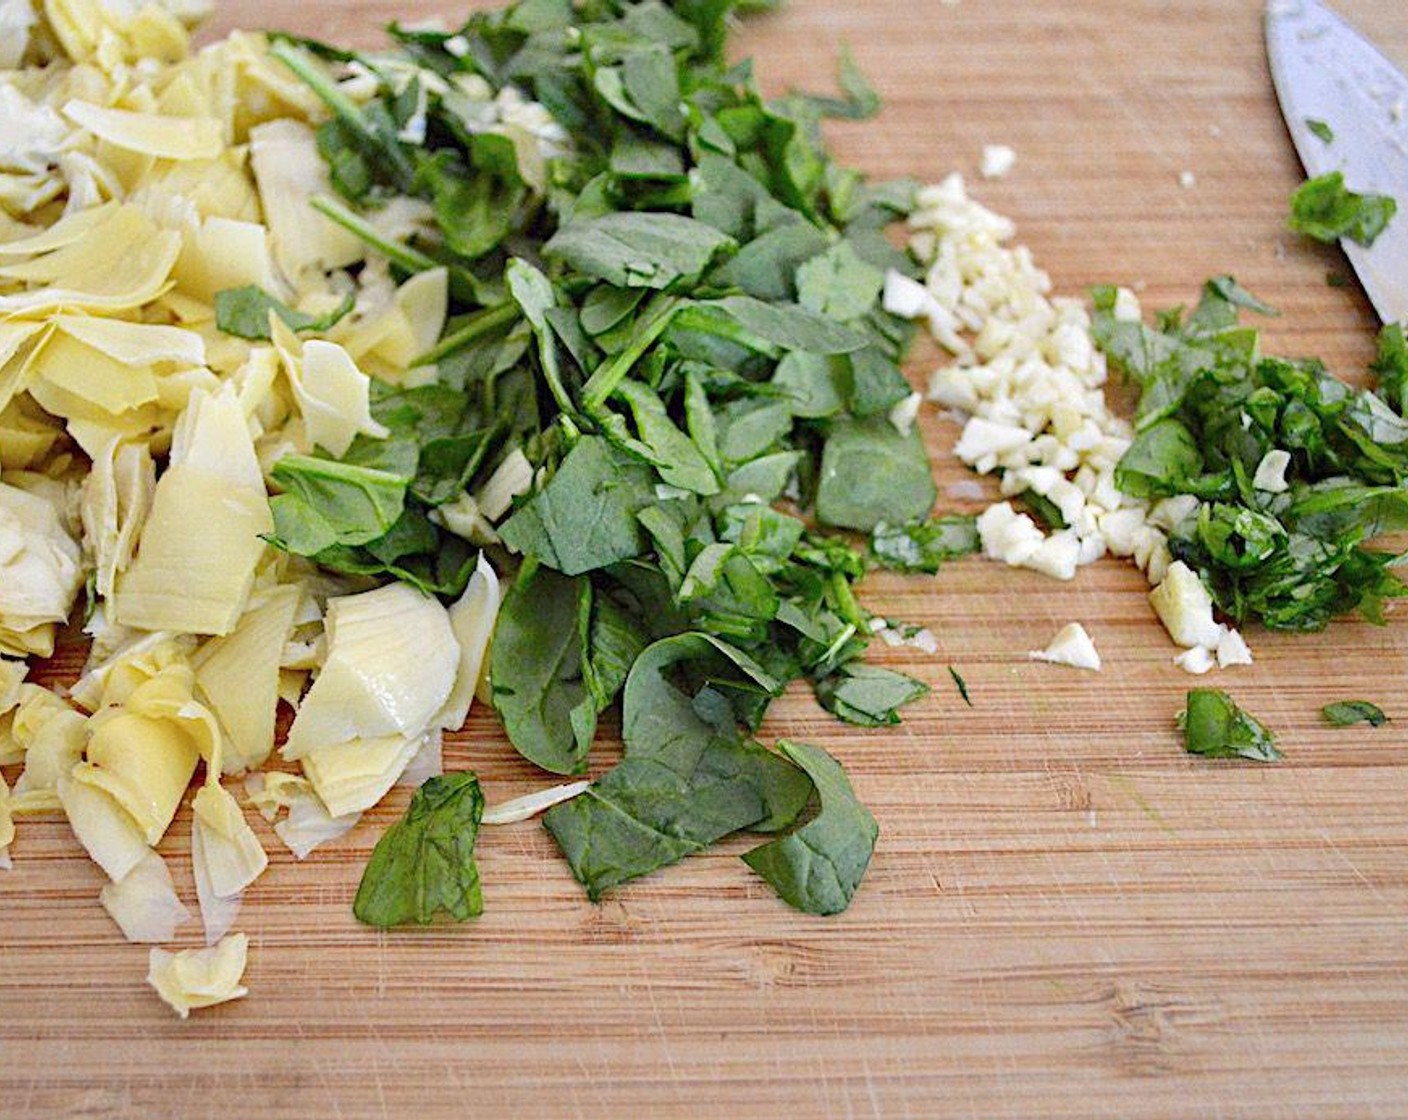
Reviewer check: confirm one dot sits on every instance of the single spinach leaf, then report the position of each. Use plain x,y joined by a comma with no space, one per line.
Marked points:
650,812
870,474
867,695
678,460
639,250
838,284
1320,130
536,673
423,865
818,867
585,518
327,503
765,326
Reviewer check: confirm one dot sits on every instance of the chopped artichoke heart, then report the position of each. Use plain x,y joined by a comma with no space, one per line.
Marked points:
239,676
222,253
115,500
144,903
472,619
40,571
144,764
290,173
52,736
353,776
135,343
122,264
114,675
196,978
392,662
334,397
105,829
308,823
197,555
202,542
150,134
231,856
7,822
68,230
80,371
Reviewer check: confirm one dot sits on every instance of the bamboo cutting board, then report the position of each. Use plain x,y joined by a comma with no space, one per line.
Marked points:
1066,915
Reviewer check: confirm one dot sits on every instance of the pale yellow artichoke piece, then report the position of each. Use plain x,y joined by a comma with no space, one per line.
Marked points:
115,500
40,572
106,830
197,555
391,665
144,903
134,344
472,619
51,736
233,855
239,676
334,397
7,825
290,173
28,435
143,764
222,253
196,978
122,264
70,378
351,777
150,134
68,230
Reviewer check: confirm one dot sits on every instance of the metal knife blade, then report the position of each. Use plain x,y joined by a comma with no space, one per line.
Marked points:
1325,70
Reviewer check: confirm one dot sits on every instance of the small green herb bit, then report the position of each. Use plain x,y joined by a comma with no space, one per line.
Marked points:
923,546
424,863
244,312
1346,713
818,867
962,685
1215,727
1325,209
1321,130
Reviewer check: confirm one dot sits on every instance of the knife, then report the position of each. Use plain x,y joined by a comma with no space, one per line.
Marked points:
1326,71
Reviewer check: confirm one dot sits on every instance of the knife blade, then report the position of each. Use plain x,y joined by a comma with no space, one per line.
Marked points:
1326,71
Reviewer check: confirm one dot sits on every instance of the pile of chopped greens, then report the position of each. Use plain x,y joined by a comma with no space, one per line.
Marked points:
677,322
1212,407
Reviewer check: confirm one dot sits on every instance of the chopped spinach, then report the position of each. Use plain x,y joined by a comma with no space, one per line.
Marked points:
961,685
669,319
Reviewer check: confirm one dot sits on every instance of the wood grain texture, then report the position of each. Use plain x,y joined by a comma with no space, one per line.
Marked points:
1066,915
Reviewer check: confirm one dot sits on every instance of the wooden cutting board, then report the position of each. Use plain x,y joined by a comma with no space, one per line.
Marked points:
1066,914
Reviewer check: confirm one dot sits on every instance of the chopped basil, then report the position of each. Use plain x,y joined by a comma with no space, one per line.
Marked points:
1215,727
1325,209
1346,713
